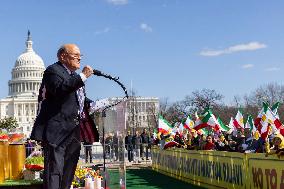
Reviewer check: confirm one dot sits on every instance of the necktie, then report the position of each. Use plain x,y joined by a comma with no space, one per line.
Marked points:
81,99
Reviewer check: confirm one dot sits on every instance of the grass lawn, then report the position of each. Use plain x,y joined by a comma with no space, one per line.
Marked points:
148,179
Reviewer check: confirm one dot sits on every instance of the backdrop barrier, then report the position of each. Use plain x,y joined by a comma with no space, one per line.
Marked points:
217,169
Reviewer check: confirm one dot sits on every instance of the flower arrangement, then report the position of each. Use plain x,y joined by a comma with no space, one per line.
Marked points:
16,138
35,161
4,137
85,175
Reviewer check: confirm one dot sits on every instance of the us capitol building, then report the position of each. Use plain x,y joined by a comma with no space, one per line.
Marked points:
21,102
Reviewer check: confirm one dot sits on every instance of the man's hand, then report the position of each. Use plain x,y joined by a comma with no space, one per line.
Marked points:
87,71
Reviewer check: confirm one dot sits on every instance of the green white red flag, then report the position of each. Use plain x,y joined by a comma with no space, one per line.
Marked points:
239,121
164,126
274,109
249,124
189,123
207,119
181,127
223,127
265,119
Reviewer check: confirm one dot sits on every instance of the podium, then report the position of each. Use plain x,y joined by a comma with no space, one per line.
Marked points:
117,117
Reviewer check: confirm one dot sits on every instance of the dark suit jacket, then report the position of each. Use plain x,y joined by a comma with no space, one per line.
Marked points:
58,106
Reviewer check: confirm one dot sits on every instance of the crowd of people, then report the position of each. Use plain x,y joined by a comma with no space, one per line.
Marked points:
138,145
240,140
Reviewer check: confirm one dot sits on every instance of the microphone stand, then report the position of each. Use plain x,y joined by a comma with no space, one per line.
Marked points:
115,79
104,151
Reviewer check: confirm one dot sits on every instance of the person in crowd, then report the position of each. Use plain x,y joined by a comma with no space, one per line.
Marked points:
188,142
162,139
109,145
60,106
129,146
150,144
277,146
144,144
88,152
247,140
30,147
221,143
209,145
195,141
202,142
239,138
231,145
115,146
136,142
179,139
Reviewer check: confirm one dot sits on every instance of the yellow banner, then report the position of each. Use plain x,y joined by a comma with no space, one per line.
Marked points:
221,169
265,172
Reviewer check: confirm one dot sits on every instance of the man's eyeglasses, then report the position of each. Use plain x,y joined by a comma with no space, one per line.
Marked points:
75,56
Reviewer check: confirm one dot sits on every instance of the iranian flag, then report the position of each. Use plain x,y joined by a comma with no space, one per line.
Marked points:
265,119
180,127
164,126
231,125
259,116
250,125
274,109
188,123
172,143
203,131
239,121
205,120
223,127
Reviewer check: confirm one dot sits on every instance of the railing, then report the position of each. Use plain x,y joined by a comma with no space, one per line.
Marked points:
140,154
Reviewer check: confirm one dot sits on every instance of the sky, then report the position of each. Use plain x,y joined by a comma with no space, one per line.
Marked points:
162,48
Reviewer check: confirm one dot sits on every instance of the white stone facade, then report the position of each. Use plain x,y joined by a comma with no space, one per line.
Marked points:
21,101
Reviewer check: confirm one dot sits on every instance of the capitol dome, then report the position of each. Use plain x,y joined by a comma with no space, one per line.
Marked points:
27,72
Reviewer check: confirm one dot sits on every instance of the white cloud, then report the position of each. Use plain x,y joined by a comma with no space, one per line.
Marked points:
145,27
105,30
247,66
272,69
236,48
118,2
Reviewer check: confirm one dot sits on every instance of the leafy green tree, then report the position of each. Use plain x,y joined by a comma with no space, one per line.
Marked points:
8,123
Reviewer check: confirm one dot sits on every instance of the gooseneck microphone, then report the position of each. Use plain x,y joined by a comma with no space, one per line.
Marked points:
99,73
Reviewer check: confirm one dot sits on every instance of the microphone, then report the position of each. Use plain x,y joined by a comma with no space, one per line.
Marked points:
97,73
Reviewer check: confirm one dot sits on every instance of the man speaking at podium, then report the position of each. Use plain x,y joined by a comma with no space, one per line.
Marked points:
61,107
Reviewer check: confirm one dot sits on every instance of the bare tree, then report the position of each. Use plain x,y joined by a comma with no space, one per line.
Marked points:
200,100
164,105
152,115
132,107
270,93
237,100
